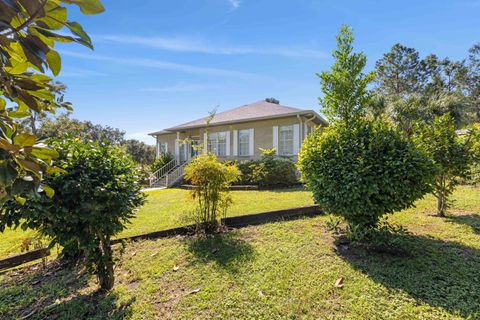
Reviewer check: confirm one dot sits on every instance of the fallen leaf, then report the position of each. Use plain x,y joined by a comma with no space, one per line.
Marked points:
260,293
134,253
154,254
194,291
176,268
215,250
339,282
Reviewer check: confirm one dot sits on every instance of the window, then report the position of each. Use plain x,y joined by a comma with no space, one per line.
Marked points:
162,148
244,142
217,143
285,141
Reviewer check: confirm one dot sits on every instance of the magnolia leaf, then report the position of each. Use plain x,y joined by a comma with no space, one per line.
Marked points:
87,6
31,166
44,153
17,68
339,282
24,140
77,29
54,62
48,191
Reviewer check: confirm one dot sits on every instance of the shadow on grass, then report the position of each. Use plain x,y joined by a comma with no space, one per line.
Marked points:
471,220
225,249
441,274
57,293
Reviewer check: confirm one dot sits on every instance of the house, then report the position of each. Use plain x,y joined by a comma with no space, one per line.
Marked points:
239,133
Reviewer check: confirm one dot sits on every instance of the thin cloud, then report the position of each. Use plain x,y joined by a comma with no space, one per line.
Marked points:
160,64
180,87
235,4
180,44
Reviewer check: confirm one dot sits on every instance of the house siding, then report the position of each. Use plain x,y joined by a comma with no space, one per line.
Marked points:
263,134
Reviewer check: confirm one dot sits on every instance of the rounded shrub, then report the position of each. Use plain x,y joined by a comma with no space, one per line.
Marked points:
364,172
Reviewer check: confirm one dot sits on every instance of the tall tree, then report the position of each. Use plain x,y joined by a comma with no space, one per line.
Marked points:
400,72
345,93
29,30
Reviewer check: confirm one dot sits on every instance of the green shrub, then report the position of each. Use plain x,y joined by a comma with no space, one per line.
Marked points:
94,198
162,160
270,170
451,153
364,172
211,180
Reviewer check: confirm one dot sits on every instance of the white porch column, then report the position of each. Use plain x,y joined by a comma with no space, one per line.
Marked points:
205,142
177,147
158,147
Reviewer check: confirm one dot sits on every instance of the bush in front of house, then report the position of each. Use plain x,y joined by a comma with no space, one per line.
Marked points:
270,170
211,180
96,193
364,172
161,161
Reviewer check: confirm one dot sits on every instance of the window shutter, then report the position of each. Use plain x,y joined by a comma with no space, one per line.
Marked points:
227,142
235,142
251,142
275,138
205,142
296,138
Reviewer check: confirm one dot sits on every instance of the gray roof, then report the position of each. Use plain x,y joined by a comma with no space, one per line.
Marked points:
254,111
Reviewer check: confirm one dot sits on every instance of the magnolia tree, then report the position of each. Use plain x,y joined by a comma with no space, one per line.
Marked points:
28,33
357,168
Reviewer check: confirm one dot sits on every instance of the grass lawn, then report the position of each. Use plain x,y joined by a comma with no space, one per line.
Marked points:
166,209
284,270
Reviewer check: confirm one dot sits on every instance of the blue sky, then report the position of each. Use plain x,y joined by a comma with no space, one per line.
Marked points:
160,63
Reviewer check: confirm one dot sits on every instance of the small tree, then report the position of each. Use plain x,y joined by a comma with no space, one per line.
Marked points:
94,198
211,180
450,153
345,86
356,168
364,172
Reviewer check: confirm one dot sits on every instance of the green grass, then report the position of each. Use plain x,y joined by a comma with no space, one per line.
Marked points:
284,270
167,208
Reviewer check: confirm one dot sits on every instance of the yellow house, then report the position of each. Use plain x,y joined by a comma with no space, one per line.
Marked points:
239,133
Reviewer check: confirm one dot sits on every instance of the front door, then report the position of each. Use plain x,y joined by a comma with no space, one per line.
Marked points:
181,151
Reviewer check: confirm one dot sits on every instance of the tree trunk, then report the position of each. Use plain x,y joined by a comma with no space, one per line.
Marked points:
106,277
441,208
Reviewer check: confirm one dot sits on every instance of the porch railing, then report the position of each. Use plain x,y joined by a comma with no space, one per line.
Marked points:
160,173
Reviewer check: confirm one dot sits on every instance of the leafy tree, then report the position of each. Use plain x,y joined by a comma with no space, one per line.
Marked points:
28,33
140,152
95,197
64,125
451,155
473,79
357,168
211,180
400,72
345,86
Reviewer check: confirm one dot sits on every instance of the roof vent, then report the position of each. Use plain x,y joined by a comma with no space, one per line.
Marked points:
272,100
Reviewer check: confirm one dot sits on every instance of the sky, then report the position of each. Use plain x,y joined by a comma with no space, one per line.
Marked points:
159,63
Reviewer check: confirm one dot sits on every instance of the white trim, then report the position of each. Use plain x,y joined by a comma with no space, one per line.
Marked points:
166,147
235,142
275,138
227,141
205,142
296,138
158,148
251,147
305,131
